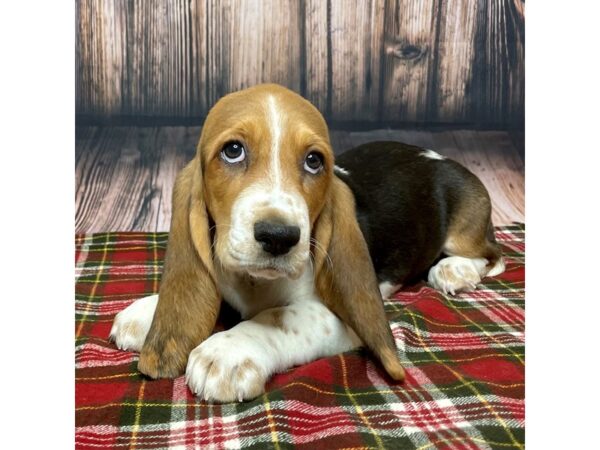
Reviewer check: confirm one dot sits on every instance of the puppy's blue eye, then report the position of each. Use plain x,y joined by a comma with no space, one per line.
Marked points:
233,152
313,162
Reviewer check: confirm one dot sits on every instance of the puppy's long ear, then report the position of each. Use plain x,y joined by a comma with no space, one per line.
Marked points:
347,283
188,301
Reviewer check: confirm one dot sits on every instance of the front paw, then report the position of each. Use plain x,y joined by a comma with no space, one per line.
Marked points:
131,325
223,369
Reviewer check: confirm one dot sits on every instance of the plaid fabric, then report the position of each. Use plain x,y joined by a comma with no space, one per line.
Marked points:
464,359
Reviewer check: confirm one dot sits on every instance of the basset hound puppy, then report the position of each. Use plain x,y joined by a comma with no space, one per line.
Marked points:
303,249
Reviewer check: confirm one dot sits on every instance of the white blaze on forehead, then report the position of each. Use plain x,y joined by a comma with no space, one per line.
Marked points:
270,197
275,128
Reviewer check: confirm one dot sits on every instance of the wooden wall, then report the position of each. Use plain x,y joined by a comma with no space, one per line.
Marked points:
392,62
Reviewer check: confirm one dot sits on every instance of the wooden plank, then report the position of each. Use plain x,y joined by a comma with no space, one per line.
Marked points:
178,147
400,61
99,56
492,157
199,58
501,72
95,166
455,56
340,141
160,74
410,44
125,176
356,34
518,140
253,42
413,137
140,58
317,54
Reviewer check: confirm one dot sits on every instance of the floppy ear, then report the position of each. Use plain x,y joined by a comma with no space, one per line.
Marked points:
188,301
347,283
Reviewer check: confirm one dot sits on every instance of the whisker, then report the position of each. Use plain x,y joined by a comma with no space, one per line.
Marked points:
321,248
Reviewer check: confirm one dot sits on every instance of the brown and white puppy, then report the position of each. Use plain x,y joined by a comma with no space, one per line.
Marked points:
261,220
264,219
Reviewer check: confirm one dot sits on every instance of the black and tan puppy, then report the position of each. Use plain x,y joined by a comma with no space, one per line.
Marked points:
415,206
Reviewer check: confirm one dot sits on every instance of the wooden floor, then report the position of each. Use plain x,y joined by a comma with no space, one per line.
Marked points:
125,175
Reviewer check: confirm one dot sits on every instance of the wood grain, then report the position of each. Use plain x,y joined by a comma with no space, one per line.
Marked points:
356,34
409,49
125,175
318,54
99,56
253,41
390,61
500,70
455,55
491,156
140,58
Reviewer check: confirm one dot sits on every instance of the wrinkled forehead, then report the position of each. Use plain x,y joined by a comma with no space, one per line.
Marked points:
264,114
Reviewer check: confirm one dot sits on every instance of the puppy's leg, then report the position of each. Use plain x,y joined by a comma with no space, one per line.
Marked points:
472,252
131,325
234,365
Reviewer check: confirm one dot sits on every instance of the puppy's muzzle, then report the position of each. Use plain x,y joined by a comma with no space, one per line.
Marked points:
275,238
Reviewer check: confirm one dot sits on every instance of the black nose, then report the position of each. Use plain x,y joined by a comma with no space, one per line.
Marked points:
276,238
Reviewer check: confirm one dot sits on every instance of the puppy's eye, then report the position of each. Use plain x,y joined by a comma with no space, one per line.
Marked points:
233,152
313,162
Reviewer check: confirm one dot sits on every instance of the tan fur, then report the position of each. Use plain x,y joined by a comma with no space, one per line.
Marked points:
274,318
248,369
207,188
214,369
133,329
241,116
466,275
347,282
188,298
470,231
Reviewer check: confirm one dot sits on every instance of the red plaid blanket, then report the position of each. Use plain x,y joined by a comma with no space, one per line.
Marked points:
464,360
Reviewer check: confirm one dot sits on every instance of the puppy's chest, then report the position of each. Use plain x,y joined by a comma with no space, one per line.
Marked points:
249,296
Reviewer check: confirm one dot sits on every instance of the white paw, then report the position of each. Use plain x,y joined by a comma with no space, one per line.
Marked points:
387,289
455,274
131,325
226,368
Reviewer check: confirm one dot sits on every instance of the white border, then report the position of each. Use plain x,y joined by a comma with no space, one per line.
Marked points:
562,186
37,42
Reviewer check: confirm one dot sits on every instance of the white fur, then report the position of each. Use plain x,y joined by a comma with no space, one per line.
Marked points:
308,331
498,268
387,289
431,154
287,322
456,273
131,325
275,129
340,170
266,199
240,252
